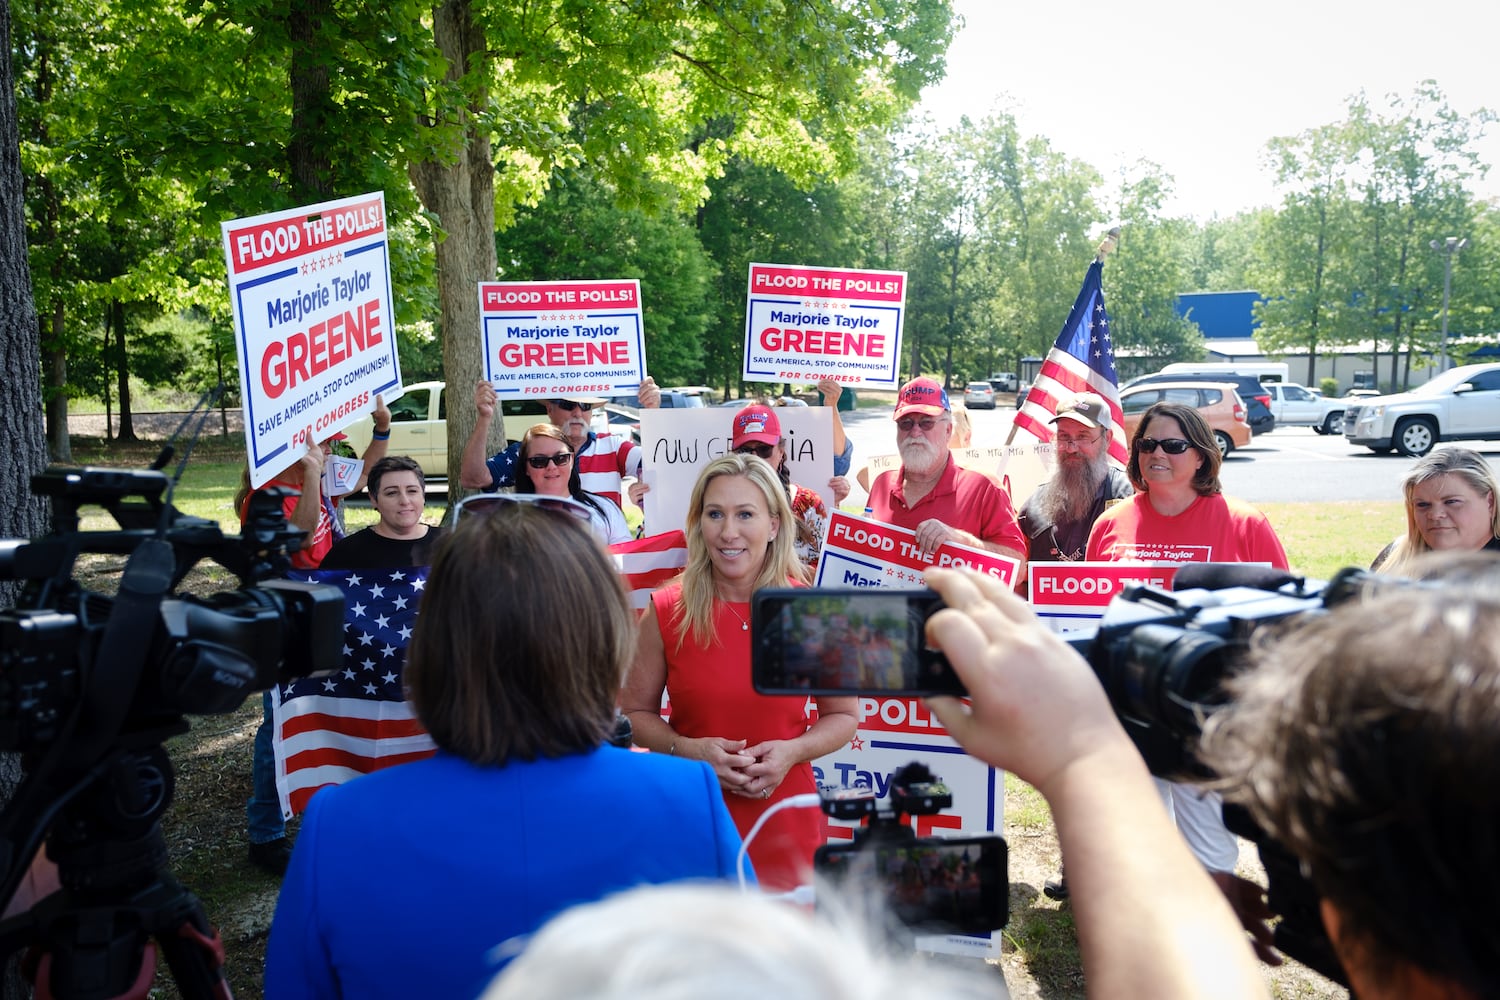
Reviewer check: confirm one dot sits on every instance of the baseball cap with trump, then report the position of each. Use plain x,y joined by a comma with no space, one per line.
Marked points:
1087,408
755,424
922,395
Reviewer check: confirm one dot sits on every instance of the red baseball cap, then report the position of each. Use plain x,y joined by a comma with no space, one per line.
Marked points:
758,424
922,395
337,436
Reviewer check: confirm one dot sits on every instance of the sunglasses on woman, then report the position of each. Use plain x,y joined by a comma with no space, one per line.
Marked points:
542,461
758,450
488,503
1172,446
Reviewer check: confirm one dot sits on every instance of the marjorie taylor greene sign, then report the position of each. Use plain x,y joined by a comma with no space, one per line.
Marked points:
804,324
311,293
550,338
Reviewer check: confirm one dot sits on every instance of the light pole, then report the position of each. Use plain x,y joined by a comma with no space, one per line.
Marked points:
1447,248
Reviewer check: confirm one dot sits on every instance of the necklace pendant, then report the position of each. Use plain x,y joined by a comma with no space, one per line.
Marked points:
744,626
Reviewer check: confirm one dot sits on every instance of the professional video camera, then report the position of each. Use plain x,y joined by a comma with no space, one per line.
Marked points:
935,885
91,686
1163,656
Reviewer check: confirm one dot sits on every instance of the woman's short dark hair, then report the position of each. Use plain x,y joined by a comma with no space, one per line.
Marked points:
522,641
1198,434
387,465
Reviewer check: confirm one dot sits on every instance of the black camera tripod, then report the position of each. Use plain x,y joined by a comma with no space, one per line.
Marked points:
99,936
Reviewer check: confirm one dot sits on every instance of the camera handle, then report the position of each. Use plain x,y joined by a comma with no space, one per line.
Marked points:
98,936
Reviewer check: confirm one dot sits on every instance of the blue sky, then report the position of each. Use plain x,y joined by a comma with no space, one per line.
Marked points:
1199,88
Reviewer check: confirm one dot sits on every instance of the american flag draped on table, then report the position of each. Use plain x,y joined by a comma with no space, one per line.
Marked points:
1082,360
330,729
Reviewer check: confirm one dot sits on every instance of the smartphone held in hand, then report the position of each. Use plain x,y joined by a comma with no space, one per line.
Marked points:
847,641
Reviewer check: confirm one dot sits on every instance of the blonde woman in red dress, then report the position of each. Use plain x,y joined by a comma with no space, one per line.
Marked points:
695,645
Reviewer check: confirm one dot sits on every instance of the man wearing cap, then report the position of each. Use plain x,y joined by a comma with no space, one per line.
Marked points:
930,494
603,459
1056,518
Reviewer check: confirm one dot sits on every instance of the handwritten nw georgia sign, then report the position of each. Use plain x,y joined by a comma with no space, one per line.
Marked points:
310,289
804,324
677,442
862,553
1074,595
557,338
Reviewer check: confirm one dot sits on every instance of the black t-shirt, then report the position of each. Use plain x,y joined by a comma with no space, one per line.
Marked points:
366,550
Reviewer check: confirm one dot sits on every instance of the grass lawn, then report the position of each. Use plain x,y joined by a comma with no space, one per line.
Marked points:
205,826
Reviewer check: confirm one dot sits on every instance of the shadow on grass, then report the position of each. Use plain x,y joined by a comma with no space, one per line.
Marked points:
1042,935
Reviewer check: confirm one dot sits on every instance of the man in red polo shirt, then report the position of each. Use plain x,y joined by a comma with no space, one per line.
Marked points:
930,494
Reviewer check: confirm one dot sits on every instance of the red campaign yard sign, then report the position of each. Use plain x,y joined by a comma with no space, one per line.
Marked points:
310,290
549,338
858,552
804,324
1073,595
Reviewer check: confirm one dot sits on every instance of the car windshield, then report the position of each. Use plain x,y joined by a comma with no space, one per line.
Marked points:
1443,383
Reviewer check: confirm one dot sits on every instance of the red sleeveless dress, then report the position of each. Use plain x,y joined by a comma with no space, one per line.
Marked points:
709,688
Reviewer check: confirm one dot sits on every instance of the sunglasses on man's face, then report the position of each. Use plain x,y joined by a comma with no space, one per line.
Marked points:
488,503
1172,446
542,461
758,450
570,406
925,423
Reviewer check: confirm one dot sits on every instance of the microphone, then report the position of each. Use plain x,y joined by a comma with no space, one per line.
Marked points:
1218,576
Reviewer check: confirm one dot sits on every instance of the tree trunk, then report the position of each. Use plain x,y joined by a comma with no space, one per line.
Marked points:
109,399
312,102
55,358
23,448
461,193
122,372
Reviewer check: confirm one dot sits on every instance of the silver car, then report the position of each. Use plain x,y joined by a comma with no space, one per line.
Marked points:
979,396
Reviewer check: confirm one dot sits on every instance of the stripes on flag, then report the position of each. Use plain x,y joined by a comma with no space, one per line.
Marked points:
1082,360
648,563
355,720
329,729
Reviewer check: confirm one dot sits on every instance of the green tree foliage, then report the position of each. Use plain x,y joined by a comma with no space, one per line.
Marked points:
1346,260
758,214
580,231
1151,265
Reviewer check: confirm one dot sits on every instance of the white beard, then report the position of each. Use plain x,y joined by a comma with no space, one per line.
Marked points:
920,457
1069,495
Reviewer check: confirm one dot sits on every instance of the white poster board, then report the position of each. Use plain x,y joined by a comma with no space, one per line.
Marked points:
310,290
805,324
677,443
561,338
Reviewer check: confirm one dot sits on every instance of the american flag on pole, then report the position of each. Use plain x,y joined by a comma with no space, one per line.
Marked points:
357,719
1082,360
649,562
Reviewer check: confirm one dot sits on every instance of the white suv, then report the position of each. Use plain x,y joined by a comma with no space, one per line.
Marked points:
1457,405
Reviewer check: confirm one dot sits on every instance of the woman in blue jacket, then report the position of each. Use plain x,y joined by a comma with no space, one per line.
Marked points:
423,879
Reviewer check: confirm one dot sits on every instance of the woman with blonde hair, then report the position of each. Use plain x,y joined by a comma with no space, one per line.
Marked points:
1450,507
694,644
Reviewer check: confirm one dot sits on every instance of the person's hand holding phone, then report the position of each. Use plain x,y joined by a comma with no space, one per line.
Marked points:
1035,705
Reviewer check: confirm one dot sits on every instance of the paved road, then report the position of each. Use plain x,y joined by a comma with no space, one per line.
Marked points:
1291,464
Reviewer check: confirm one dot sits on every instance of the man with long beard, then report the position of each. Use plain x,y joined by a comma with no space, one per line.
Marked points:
930,494
1057,517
